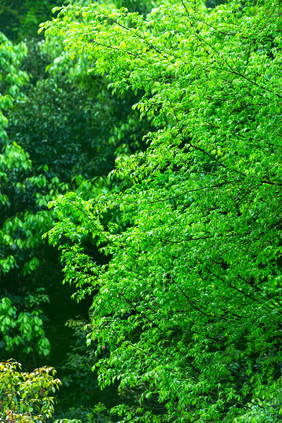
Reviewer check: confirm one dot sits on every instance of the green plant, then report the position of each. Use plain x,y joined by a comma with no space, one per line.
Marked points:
26,397
188,308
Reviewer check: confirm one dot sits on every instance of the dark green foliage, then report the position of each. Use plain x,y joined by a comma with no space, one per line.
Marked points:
141,6
213,3
67,129
19,19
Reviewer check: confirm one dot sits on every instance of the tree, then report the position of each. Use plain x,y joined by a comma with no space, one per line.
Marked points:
20,19
187,314
16,232
25,397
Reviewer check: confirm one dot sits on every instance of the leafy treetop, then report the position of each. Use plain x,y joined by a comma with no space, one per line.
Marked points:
188,308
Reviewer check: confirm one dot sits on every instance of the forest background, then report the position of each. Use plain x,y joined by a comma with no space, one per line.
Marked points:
146,142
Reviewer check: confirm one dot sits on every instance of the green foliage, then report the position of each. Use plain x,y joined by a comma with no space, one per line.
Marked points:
20,19
49,141
188,307
141,6
78,376
12,78
99,414
214,3
22,328
74,140
16,233
26,397
24,218
13,158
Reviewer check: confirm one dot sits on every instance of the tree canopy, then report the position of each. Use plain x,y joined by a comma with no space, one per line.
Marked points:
187,313
155,136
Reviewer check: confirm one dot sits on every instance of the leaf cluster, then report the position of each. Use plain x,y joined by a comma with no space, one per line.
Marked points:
27,397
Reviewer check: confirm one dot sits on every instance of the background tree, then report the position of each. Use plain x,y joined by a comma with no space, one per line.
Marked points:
20,19
17,326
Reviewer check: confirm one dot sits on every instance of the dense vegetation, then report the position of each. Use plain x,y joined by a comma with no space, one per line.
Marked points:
141,145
